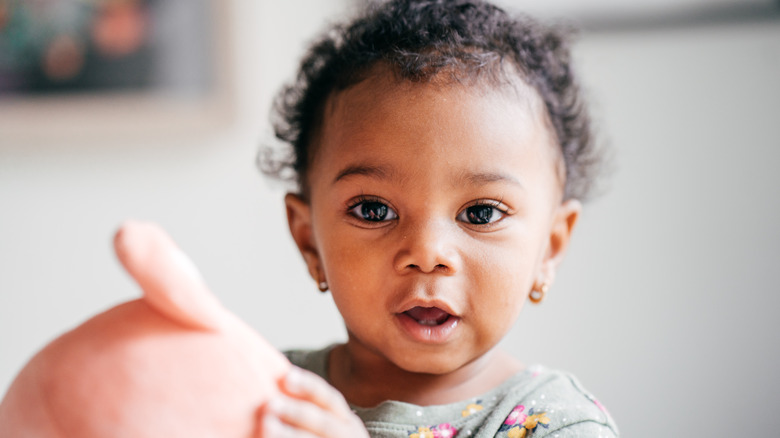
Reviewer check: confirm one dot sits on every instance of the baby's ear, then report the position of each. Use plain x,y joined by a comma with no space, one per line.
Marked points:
299,220
171,283
560,235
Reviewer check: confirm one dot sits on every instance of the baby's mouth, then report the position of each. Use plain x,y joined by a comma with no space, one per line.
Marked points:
429,316
428,325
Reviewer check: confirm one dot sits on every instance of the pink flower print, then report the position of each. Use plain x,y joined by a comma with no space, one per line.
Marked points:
516,416
444,430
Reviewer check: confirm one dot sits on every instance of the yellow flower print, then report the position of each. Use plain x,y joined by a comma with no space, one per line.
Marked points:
516,432
470,409
533,420
423,432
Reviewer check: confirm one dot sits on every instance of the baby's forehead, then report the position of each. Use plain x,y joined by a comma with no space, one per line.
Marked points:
383,84
380,106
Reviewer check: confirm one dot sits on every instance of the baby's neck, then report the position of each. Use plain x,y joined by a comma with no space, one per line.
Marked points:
366,380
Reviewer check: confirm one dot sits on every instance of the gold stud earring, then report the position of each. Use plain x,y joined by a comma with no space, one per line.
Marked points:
323,286
537,295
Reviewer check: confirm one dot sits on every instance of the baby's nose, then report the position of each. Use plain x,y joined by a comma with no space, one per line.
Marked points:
428,247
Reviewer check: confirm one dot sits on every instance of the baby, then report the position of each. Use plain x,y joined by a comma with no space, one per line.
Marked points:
441,151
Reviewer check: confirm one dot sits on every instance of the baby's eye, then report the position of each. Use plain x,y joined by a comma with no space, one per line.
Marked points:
373,211
480,214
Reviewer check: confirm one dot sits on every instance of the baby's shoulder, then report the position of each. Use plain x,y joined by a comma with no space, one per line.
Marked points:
315,361
551,403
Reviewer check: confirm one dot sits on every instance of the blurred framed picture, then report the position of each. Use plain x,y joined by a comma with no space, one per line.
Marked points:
102,65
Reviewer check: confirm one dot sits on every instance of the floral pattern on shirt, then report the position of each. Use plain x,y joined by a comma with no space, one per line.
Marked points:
516,416
444,430
520,425
471,408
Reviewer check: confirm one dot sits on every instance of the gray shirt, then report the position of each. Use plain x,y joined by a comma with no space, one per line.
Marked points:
535,402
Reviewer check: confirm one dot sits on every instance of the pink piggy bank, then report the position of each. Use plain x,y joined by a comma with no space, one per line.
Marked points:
172,364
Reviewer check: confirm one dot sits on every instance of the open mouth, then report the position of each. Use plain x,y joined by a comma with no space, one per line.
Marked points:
429,325
428,316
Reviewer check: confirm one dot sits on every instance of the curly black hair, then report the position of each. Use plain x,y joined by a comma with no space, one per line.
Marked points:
419,39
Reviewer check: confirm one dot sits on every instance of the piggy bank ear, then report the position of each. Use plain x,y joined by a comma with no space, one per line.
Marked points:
170,281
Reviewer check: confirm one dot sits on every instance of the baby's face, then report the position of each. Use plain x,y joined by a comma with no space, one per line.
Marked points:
432,211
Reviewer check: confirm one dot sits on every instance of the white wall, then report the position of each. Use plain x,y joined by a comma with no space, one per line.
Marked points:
664,308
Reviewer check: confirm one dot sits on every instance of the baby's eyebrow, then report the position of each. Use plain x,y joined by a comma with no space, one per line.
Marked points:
380,172
482,178
463,178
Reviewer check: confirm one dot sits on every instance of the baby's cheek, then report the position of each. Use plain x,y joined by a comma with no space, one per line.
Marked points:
355,268
498,295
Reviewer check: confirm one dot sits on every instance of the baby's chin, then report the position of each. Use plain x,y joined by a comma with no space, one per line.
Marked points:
441,363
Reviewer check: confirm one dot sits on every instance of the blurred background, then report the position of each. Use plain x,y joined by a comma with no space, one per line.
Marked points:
155,109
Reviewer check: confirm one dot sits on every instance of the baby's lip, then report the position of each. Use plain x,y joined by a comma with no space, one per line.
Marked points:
428,308
428,321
